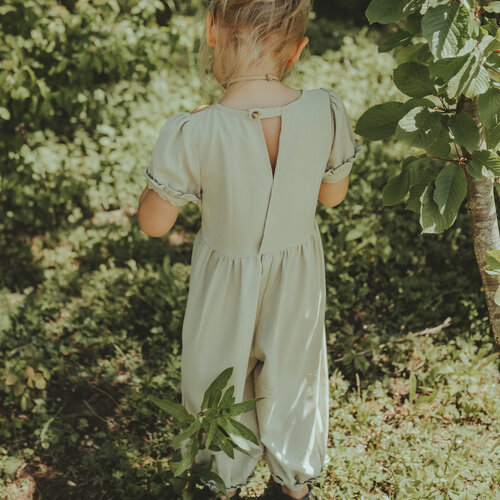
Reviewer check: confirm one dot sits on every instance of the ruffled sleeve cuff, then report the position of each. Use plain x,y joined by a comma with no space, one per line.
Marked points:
336,174
166,192
345,149
174,171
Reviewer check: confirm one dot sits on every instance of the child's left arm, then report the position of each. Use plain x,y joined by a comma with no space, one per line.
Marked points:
156,216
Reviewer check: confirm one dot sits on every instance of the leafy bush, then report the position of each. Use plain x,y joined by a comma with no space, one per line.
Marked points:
66,69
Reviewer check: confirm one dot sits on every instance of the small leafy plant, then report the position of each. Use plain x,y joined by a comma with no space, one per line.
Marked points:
213,428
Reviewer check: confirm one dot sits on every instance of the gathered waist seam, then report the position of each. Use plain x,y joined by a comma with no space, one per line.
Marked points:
312,235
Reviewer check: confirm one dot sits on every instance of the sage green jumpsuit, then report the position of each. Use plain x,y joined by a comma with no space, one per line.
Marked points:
257,288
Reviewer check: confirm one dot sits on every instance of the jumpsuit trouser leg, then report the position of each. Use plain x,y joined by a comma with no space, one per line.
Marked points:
218,333
291,341
279,353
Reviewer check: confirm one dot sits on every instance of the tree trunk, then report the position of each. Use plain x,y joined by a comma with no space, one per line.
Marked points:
481,203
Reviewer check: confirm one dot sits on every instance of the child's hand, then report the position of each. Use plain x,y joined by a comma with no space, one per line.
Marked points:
200,108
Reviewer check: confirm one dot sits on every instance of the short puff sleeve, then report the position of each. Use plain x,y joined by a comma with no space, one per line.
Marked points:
345,148
174,168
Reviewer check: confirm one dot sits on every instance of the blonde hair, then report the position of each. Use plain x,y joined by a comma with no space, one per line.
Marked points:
264,28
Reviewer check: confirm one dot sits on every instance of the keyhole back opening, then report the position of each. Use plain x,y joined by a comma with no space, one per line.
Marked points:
272,130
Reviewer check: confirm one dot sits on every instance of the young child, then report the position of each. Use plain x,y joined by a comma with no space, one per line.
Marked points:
260,158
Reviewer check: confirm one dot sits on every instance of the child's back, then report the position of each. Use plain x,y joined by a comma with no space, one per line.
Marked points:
249,207
257,288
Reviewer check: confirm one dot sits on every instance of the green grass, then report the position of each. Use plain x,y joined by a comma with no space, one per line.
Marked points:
95,306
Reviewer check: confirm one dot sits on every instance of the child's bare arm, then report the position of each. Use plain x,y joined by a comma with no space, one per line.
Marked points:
332,194
155,215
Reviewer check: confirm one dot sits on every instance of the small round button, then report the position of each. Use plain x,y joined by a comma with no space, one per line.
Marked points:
255,115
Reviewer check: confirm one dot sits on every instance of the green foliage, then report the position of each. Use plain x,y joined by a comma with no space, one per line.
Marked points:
445,27
66,69
413,79
58,63
451,188
397,187
464,131
388,11
380,121
222,431
459,59
419,127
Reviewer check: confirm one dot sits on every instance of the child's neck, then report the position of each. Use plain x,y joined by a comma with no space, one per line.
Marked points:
258,93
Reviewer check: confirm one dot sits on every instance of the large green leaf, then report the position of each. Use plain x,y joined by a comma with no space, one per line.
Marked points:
214,390
244,406
397,39
464,131
214,397
413,79
388,11
244,431
177,411
488,45
487,159
397,187
414,21
209,475
493,60
211,432
187,433
445,27
419,180
379,121
224,444
416,191
187,458
416,101
450,188
478,84
431,219
493,258
440,147
472,78
228,398
478,170
492,7
419,127
493,268
395,190
447,67
235,436
488,107
492,137
417,52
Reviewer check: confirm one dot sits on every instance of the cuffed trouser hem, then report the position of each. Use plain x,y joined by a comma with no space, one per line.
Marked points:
298,486
277,479
212,486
